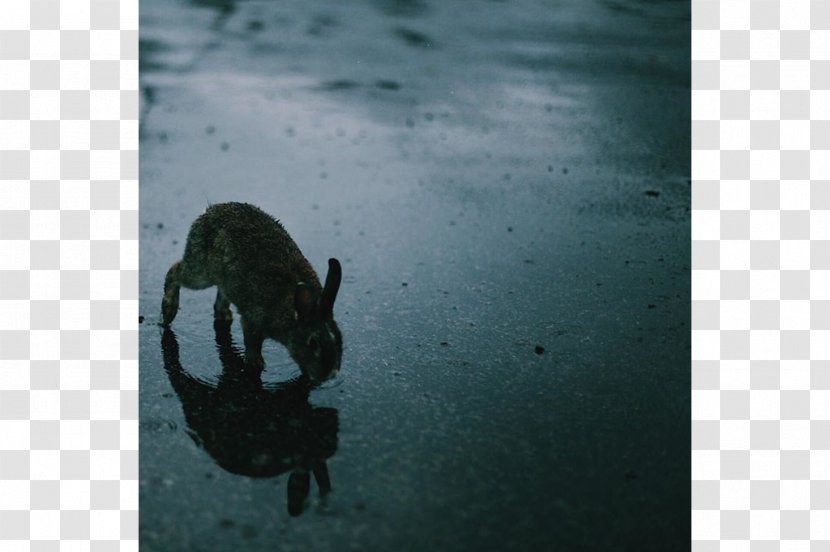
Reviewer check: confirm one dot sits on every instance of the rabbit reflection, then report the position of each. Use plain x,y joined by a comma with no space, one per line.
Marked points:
253,429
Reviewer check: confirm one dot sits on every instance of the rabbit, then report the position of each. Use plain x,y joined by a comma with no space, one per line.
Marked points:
254,263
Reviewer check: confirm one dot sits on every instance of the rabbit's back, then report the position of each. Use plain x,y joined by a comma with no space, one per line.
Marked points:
247,253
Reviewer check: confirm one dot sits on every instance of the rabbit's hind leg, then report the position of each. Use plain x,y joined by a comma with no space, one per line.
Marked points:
222,308
170,302
179,275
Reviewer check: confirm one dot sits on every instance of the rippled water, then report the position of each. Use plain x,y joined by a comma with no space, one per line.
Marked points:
507,187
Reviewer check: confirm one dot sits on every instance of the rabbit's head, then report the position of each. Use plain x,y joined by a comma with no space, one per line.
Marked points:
316,344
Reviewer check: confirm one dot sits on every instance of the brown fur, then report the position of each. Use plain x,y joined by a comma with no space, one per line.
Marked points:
256,266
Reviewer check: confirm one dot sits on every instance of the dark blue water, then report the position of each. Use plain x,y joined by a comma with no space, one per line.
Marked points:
507,187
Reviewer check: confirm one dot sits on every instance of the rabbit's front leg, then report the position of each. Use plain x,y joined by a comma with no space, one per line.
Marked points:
222,307
253,338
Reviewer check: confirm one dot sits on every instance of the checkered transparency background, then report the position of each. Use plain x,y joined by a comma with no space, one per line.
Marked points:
68,275
760,282
761,275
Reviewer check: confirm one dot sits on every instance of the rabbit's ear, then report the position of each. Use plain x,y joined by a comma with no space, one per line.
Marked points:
329,293
303,301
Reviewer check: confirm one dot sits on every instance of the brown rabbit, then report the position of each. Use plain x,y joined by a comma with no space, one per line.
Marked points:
255,265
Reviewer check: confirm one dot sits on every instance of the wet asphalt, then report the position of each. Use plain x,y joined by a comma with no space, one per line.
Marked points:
506,185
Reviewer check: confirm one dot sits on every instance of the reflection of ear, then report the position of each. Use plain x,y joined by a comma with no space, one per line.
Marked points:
298,486
303,301
321,475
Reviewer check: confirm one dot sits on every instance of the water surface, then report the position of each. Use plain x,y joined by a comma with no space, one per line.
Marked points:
507,187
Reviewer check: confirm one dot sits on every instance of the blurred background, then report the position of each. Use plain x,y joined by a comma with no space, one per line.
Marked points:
507,186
